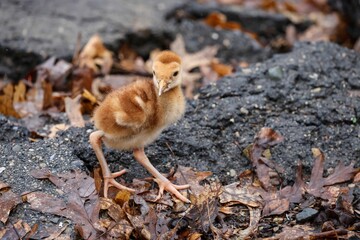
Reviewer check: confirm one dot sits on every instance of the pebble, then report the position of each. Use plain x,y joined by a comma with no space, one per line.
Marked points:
16,148
2,169
244,111
77,163
42,165
275,73
232,173
54,219
306,214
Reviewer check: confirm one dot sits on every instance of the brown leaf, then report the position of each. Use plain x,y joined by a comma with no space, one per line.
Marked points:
6,102
205,208
191,61
195,236
58,127
341,174
73,210
122,196
8,201
73,111
357,178
81,79
276,207
295,232
97,179
186,175
54,72
221,69
137,222
82,205
266,138
15,231
95,54
236,194
294,193
317,183
20,92
158,223
219,20
255,215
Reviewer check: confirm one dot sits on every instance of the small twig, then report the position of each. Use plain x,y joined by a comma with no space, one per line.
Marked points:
75,59
329,234
168,145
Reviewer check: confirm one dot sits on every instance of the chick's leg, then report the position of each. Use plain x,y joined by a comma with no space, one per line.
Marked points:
95,140
163,182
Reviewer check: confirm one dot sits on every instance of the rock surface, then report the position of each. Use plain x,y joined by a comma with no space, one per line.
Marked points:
312,101
314,104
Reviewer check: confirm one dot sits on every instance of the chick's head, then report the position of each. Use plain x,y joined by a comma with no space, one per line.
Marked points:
166,71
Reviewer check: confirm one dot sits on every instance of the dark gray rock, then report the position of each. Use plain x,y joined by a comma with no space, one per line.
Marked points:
306,215
263,23
234,46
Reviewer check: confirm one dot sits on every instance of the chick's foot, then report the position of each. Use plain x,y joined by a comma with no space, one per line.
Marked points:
171,188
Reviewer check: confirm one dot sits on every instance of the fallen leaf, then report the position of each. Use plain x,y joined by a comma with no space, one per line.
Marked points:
219,20
79,203
57,233
54,72
317,183
73,111
236,194
294,193
15,231
8,201
357,178
295,232
6,102
191,61
186,175
58,127
137,221
255,215
130,62
266,138
81,80
95,54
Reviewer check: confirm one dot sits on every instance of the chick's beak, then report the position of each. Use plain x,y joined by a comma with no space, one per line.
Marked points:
161,88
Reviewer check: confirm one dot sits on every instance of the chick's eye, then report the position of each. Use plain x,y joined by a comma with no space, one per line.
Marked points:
175,73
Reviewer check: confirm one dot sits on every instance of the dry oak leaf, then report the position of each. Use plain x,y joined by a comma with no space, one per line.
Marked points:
317,185
73,111
8,201
191,61
95,54
235,194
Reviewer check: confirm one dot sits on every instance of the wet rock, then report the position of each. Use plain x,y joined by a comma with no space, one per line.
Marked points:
306,215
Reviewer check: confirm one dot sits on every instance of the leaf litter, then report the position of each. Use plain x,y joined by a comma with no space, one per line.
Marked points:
212,211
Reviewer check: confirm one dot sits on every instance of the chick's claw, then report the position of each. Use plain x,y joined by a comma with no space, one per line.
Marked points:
171,188
110,181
